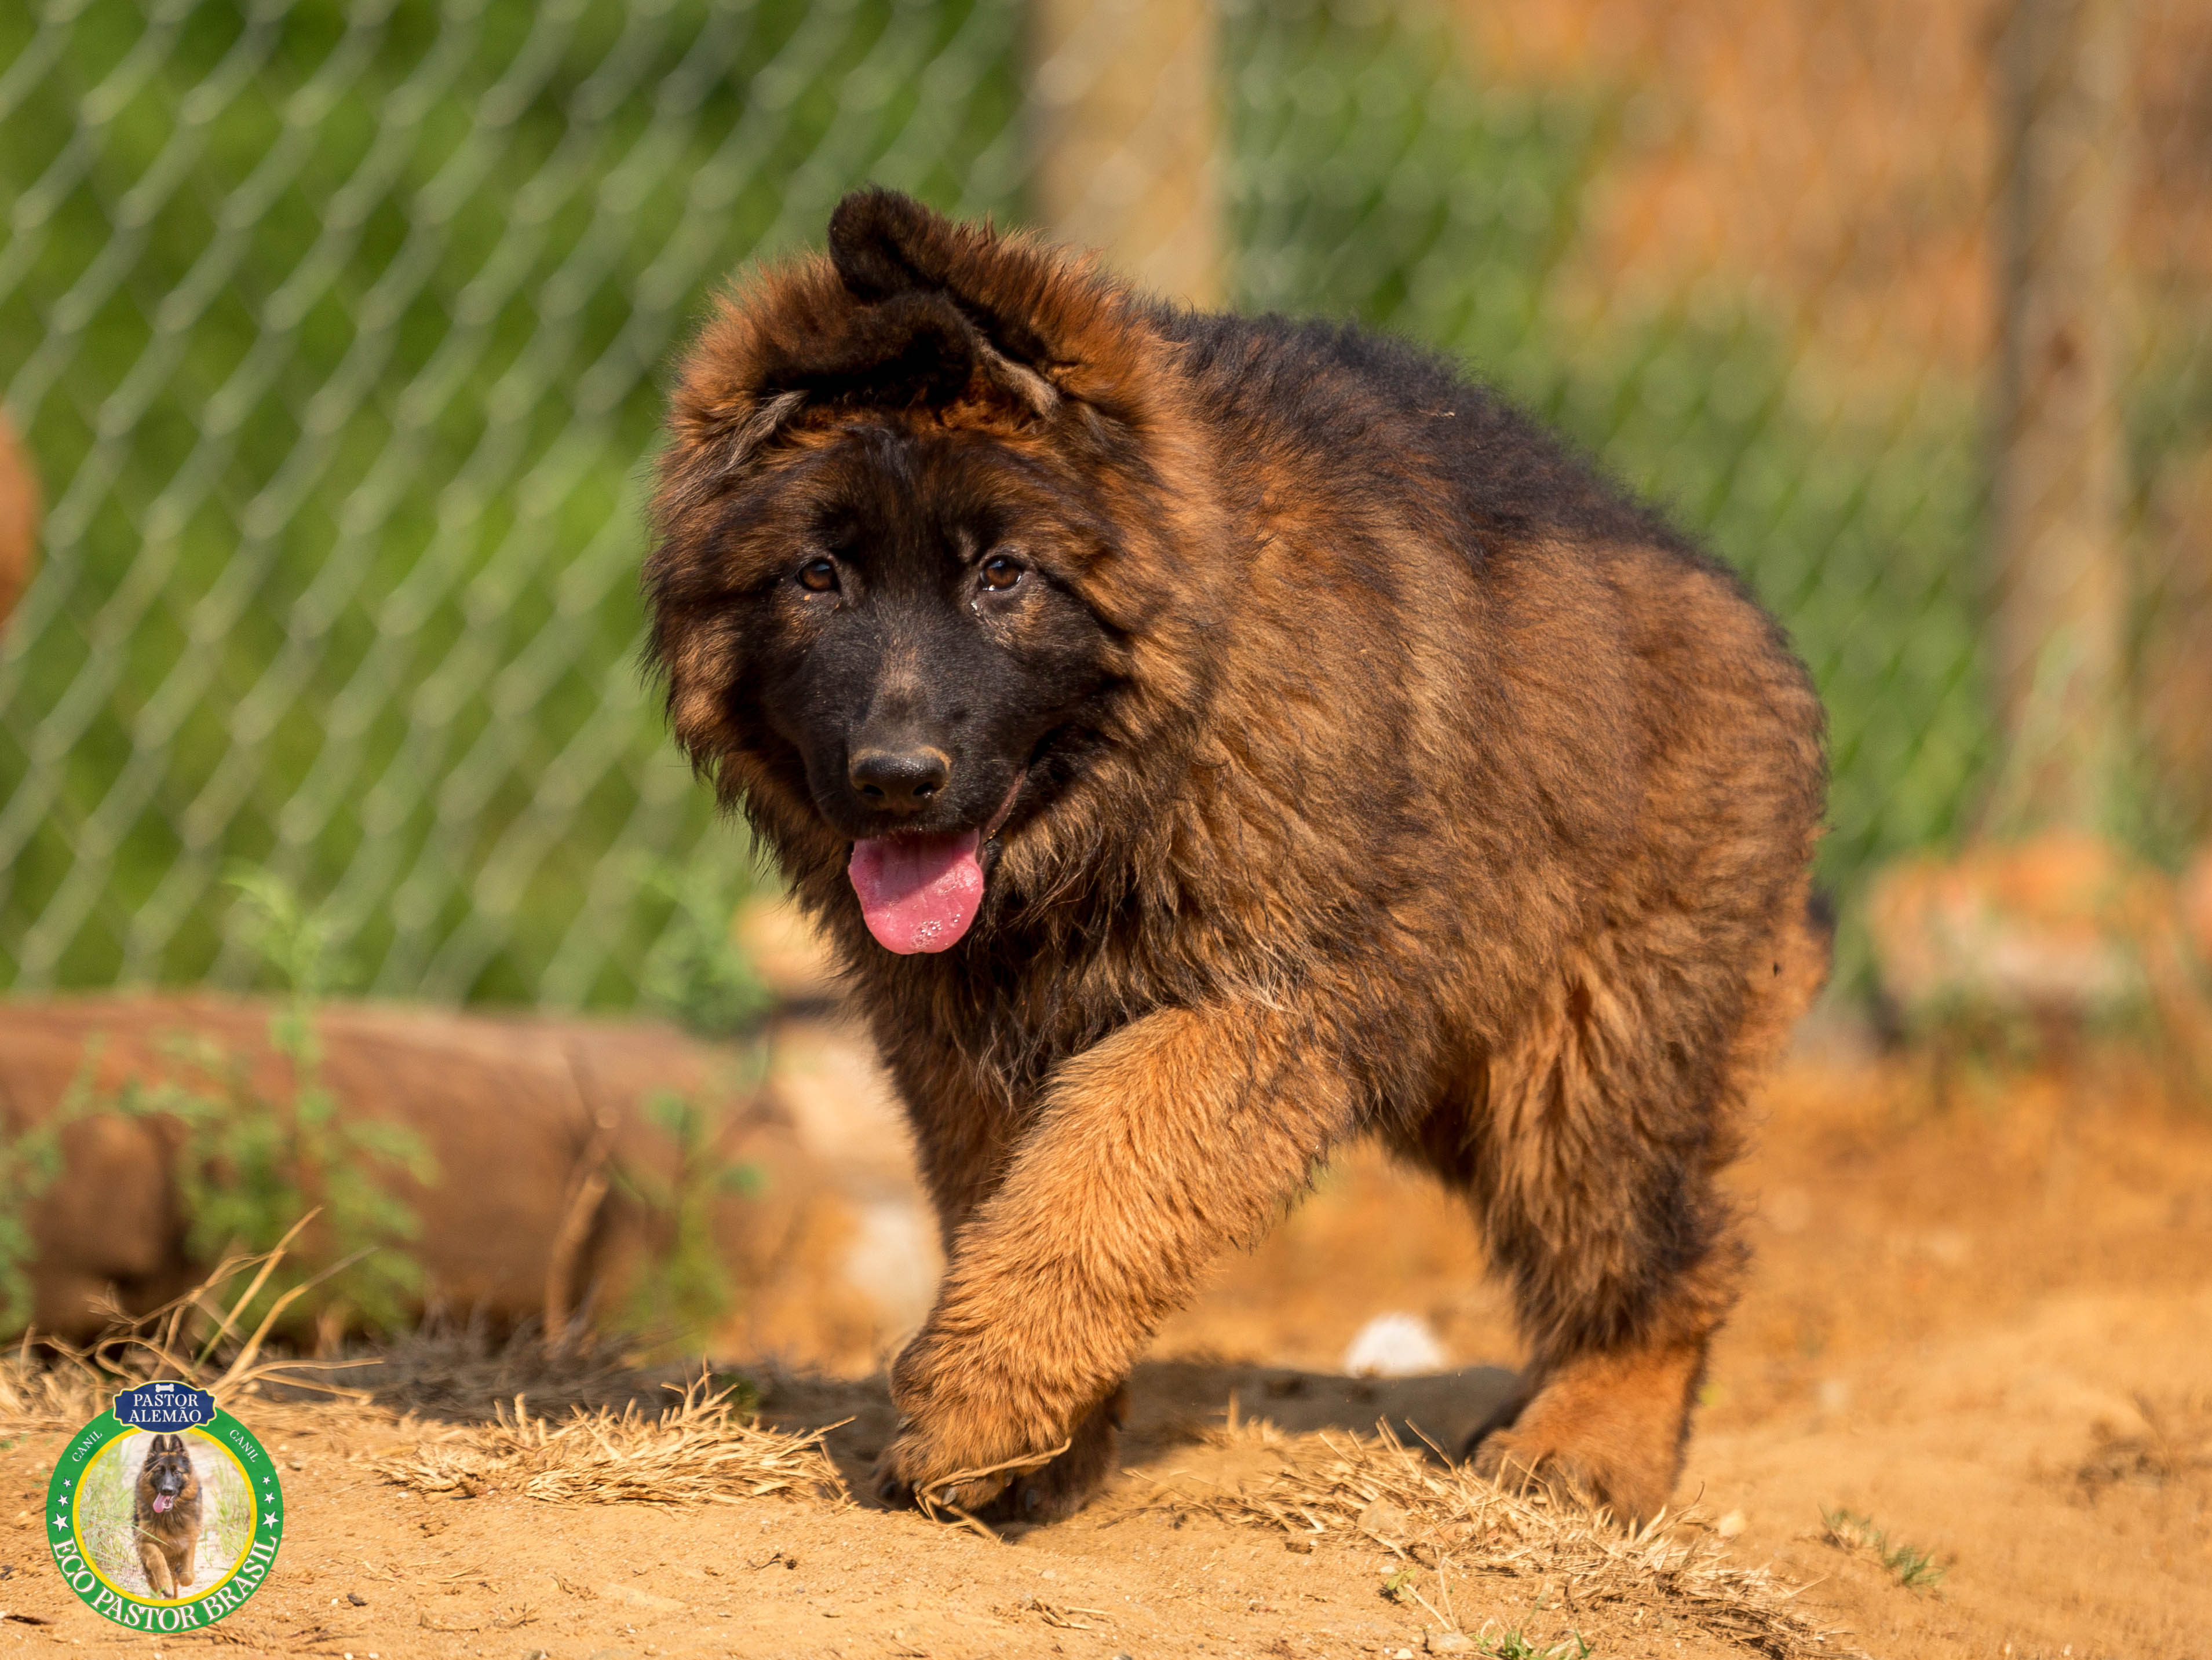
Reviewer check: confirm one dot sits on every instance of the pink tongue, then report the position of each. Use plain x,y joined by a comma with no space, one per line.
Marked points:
162,1501
918,893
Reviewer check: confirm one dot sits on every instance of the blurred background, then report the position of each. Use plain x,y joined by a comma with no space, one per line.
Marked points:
332,341
347,872
333,333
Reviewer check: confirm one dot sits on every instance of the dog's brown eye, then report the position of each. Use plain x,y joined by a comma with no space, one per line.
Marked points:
1000,574
818,575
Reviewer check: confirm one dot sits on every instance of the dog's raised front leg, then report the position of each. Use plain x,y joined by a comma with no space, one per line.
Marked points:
155,1560
1174,1137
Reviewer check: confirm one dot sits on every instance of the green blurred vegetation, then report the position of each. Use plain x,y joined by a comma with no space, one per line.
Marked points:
336,329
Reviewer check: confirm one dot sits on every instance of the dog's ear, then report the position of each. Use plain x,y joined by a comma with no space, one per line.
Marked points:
885,245
912,347
910,309
922,317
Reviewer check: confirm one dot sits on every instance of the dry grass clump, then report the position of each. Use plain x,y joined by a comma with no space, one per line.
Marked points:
36,1396
201,1339
1452,1521
703,1448
701,1451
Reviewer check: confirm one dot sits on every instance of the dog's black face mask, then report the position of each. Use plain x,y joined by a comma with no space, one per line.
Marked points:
917,653
169,1468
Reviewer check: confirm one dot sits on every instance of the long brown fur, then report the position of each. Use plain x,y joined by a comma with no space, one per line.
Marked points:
1441,794
168,1540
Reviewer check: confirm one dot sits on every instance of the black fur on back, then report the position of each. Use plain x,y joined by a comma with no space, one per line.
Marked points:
1350,395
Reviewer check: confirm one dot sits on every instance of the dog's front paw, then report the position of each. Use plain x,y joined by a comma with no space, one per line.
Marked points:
919,1467
977,1438
1055,1491
1045,1484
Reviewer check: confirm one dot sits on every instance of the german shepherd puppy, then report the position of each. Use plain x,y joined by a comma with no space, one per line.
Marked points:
1206,740
165,1514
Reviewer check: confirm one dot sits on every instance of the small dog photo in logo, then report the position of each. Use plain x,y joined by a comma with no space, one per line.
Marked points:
164,1514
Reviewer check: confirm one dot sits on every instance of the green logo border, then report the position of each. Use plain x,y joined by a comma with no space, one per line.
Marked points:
224,1598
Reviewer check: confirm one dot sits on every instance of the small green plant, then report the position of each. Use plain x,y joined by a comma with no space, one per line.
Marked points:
697,975
701,979
254,1162
1913,1568
688,1291
1512,1645
1401,1586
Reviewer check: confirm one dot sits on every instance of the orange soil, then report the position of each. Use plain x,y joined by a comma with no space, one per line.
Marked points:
1988,1329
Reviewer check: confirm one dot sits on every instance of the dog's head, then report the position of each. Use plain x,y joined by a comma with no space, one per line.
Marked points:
926,516
167,1476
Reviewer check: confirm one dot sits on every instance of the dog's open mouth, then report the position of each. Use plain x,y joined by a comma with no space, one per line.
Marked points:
163,1500
921,893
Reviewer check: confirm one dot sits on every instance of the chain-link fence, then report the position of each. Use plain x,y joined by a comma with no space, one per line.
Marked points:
335,330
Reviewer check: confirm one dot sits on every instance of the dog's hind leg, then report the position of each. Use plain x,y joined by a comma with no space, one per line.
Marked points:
1594,1162
1152,1151
1593,1170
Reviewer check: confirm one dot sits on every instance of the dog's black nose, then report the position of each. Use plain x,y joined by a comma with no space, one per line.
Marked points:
899,781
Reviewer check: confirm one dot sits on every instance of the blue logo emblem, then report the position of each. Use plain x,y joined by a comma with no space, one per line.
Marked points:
164,1406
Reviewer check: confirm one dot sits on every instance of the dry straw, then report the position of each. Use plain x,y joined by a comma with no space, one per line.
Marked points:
1445,1518
201,1339
700,1451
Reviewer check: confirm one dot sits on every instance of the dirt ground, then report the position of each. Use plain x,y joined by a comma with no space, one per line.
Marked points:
1984,1323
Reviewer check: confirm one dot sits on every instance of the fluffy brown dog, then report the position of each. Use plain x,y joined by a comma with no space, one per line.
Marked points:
1208,739
165,1511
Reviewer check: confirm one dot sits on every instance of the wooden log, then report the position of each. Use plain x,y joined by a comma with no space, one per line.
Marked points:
522,1115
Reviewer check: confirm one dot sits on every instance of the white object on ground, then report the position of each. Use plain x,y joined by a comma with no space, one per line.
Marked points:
1394,1346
